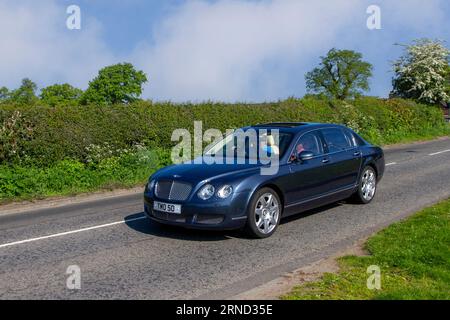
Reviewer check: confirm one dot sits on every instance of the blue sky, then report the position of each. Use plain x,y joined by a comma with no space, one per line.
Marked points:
230,50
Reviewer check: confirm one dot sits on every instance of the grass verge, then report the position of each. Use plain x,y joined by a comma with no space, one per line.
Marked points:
413,256
71,177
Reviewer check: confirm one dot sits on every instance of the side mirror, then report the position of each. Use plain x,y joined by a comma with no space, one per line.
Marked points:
305,156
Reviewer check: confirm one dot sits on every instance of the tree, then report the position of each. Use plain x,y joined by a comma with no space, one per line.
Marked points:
341,74
60,94
25,94
119,83
4,94
447,85
420,74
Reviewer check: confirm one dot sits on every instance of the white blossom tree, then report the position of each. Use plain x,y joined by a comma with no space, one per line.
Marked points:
448,80
421,72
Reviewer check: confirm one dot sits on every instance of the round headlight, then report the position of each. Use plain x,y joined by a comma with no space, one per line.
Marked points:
206,192
225,191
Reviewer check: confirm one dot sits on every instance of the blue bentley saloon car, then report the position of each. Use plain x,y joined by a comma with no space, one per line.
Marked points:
316,164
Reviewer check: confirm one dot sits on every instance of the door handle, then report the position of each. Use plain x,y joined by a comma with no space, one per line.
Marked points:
326,160
357,154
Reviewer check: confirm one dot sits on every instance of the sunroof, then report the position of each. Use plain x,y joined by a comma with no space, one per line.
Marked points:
282,124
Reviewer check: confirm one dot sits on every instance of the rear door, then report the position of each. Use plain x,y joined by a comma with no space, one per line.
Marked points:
344,159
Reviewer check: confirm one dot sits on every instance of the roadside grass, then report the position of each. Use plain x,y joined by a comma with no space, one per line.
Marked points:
413,256
71,177
410,137
65,179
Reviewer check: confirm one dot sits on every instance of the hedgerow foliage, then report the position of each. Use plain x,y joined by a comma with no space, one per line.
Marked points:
60,150
41,136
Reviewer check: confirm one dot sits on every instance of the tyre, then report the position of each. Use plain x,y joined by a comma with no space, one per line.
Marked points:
264,214
367,186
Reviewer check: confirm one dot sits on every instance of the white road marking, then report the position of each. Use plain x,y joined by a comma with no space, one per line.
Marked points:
391,164
10,244
440,152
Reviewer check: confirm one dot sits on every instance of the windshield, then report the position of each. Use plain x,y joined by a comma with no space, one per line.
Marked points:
252,144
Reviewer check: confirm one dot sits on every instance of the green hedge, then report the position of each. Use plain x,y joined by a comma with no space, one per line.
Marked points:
41,136
48,151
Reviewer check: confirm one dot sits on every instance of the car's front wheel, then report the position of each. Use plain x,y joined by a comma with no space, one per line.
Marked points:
367,186
264,213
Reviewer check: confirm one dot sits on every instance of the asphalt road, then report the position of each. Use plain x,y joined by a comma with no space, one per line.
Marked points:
122,255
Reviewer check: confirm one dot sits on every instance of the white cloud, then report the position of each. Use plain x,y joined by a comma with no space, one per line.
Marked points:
37,44
237,50
220,50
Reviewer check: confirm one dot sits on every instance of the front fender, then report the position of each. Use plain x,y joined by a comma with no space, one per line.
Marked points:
253,183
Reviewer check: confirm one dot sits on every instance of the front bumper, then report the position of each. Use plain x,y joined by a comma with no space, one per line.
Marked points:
227,214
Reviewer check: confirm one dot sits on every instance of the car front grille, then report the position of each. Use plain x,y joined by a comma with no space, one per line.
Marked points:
169,217
173,190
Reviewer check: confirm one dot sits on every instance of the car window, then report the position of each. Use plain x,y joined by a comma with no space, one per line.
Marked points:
359,141
351,138
335,140
262,142
309,142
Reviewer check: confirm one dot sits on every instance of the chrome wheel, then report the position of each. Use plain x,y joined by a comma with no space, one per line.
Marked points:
267,212
368,184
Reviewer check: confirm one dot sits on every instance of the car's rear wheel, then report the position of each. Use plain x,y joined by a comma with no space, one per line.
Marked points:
264,213
367,186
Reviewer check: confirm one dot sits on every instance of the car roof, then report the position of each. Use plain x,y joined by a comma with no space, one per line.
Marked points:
294,127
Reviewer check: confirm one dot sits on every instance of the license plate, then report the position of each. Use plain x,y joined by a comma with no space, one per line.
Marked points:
167,207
